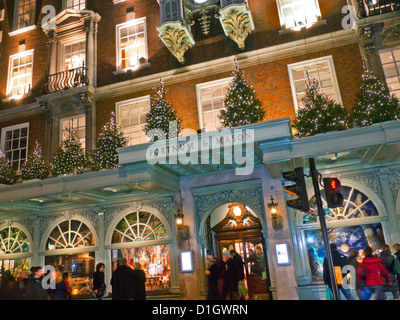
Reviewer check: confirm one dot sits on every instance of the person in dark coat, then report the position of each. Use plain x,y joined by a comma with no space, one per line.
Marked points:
140,282
60,290
213,273
34,287
123,282
234,274
388,261
9,287
352,260
99,286
339,260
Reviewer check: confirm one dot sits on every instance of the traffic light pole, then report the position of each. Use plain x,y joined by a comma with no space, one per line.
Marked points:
321,215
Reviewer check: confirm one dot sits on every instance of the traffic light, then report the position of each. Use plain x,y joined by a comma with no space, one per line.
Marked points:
297,189
333,196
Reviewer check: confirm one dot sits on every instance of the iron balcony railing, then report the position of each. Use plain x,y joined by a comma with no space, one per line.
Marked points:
376,7
66,80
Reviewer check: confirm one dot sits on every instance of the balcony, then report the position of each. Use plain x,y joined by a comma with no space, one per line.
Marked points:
370,8
65,80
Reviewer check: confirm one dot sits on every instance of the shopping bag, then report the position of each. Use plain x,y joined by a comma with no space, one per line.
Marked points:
339,276
242,289
396,267
329,295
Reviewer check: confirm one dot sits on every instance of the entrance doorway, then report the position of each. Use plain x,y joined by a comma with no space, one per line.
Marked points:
234,227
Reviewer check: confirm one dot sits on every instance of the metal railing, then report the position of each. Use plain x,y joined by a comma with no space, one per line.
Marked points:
370,8
66,80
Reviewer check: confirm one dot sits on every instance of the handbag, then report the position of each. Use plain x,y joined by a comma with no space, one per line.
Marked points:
242,289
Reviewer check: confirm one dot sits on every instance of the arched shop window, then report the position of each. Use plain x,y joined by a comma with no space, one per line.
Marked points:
70,249
142,238
15,251
351,227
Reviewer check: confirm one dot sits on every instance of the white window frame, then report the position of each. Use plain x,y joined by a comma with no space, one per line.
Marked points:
69,43
70,118
302,64
12,128
120,104
298,27
118,45
9,82
205,85
65,5
16,16
396,92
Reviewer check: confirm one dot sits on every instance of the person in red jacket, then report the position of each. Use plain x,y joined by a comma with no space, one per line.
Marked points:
370,271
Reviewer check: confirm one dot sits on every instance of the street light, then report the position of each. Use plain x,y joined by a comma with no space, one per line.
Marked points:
277,222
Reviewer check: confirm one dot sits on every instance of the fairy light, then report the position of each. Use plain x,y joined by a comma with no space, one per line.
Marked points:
7,174
35,166
241,105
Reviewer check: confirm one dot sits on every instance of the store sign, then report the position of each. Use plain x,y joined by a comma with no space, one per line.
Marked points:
235,145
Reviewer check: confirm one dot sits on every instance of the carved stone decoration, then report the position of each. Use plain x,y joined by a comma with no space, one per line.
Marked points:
394,180
206,203
237,22
391,32
234,221
367,39
177,38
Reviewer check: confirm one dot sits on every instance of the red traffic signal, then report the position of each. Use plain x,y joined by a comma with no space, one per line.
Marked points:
334,198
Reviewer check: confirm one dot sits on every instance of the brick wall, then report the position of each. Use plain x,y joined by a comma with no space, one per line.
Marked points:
270,80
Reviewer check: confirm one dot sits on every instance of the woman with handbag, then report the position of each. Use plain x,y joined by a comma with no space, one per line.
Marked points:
388,261
99,286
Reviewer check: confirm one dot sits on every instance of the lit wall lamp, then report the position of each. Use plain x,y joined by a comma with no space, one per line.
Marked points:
277,222
183,230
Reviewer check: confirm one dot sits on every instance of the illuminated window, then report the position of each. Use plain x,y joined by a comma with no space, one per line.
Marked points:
131,44
75,4
20,74
24,13
74,55
78,124
296,14
210,99
322,70
391,66
14,143
13,240
131,116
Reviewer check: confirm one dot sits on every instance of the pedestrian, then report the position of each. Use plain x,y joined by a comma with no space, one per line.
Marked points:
22,280
353,261
34,287
123,282
234,274
140,282
371,271
388,261
99,285
213,273
9,287
339,261
59,292
67,286
396,249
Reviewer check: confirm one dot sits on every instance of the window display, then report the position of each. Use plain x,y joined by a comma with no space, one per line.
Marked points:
80,269
154,262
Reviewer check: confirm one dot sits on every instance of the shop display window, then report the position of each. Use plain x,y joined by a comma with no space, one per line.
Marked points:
154,261
347,239
80,268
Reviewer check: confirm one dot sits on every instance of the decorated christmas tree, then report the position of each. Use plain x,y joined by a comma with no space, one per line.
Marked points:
35,166
161,119
7,174
70,156
241,103
111,138
374,103
319,114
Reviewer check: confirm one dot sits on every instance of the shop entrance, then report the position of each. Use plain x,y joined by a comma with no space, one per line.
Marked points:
240,230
